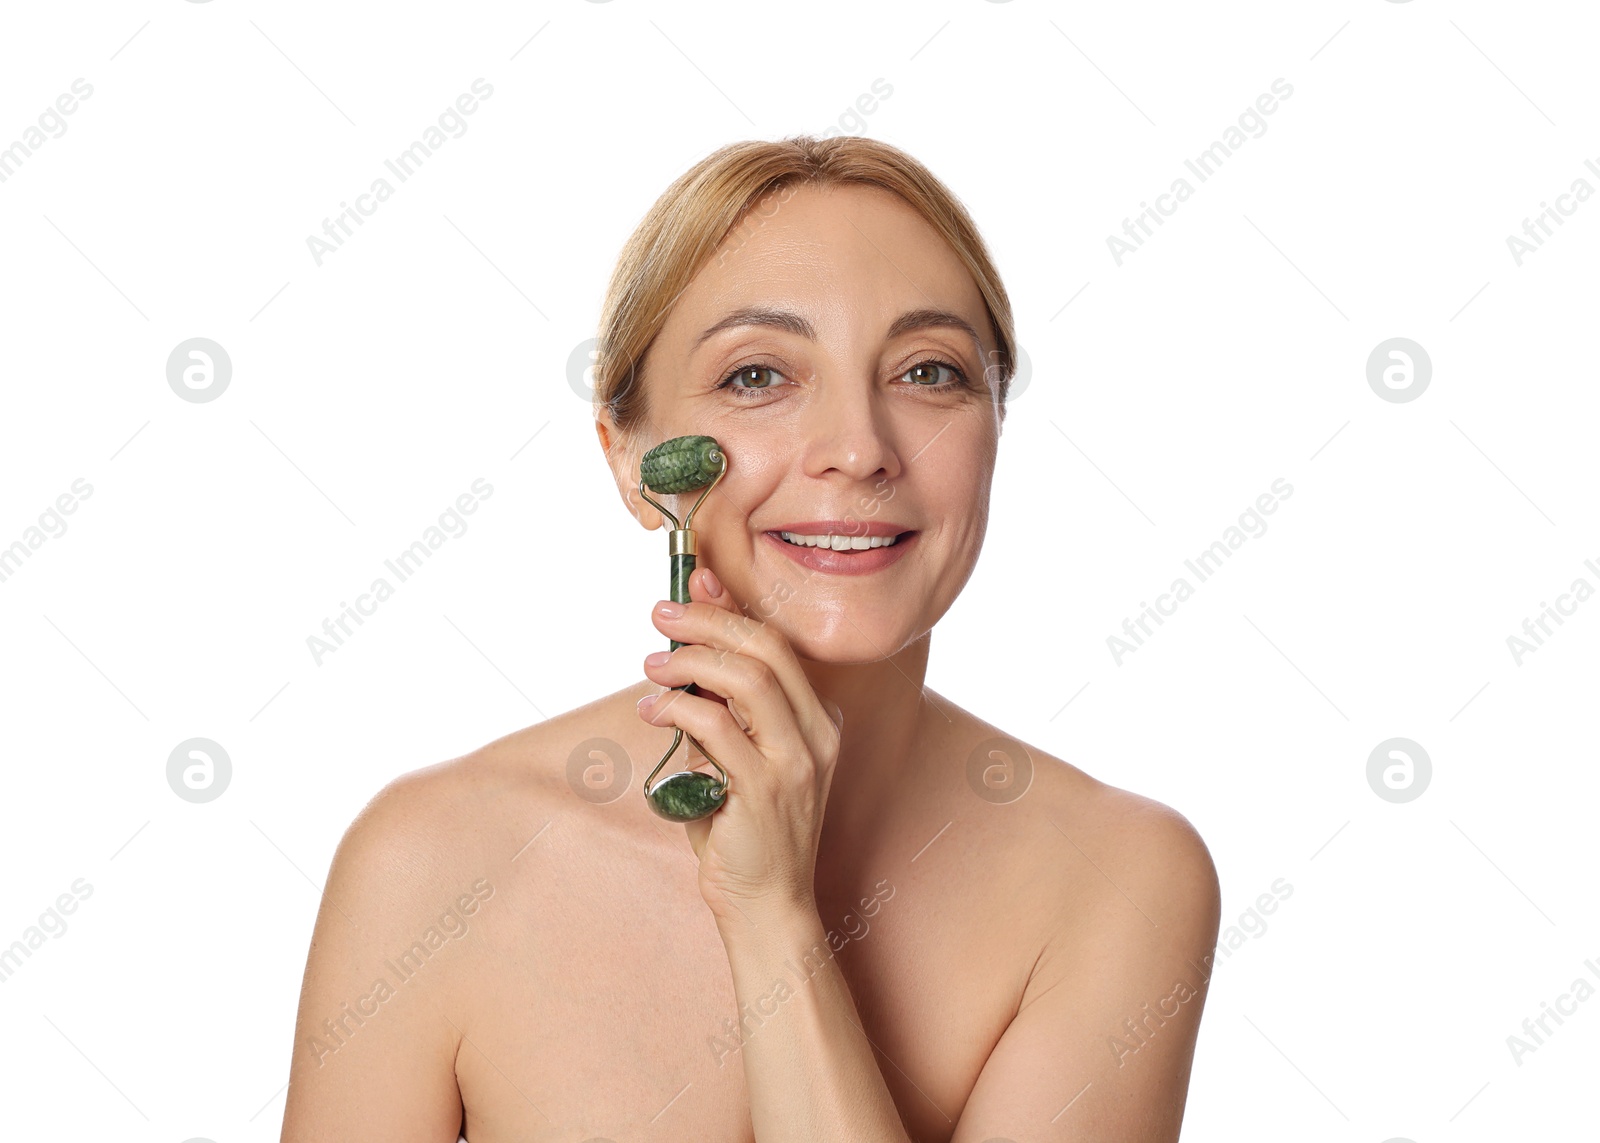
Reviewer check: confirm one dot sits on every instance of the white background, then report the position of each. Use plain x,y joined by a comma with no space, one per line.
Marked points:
367,393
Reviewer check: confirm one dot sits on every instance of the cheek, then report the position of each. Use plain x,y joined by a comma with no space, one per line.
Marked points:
758,445
958,499
729,543
962,512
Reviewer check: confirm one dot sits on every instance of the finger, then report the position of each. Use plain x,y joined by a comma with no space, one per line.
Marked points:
711,724
752,691
732,633
702,581
699,829
835,714
701,584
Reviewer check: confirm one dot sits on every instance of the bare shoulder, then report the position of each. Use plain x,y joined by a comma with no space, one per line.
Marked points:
526,764
1146,855
1110,848
413,828
388,975
1150,841
421,886
457,815
418,844
1118,909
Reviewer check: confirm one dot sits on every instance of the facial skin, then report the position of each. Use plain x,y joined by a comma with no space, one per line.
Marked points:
854,425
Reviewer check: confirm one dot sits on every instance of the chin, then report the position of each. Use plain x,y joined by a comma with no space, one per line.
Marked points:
844,644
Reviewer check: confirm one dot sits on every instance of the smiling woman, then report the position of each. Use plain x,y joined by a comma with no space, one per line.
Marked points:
826,310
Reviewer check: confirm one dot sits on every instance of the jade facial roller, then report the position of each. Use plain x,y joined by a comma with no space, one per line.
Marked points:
683,464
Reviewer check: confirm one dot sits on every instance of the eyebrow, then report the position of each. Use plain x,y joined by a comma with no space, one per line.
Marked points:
793,323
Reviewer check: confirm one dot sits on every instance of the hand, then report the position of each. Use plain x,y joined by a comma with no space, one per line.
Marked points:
759,851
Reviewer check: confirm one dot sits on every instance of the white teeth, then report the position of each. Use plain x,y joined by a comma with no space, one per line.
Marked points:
839,543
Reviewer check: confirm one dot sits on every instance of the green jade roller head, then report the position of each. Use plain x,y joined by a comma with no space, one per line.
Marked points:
683,464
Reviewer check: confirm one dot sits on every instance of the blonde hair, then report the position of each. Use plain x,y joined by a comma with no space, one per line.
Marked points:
707,202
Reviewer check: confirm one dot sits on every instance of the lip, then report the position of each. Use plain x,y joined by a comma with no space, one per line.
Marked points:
862,562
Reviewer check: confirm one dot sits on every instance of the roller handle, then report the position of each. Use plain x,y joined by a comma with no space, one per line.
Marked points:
682,567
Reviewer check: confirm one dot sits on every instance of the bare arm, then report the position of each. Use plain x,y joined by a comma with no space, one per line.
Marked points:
1101,1046
808,1064
374,1042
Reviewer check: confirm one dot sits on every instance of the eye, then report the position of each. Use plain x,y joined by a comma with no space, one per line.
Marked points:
750,373
755,378
925,374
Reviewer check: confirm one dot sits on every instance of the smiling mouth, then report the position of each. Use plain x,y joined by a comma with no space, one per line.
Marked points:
838,543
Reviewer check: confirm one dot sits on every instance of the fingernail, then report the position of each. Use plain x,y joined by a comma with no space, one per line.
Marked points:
669,610
644,703
657,658
712,584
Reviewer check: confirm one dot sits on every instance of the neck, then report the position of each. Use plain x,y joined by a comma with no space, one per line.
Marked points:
883,708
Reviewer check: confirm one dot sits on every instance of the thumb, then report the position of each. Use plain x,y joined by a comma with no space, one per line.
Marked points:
698,830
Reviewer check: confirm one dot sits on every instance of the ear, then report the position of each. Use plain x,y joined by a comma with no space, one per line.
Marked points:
624,464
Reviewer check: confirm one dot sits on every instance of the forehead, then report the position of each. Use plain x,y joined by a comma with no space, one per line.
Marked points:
847,257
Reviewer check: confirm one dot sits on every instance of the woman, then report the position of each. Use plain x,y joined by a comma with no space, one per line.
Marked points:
901,925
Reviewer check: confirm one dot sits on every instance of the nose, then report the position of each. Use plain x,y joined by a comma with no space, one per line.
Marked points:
849,432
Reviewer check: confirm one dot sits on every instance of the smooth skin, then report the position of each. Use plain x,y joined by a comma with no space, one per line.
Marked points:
1031,968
